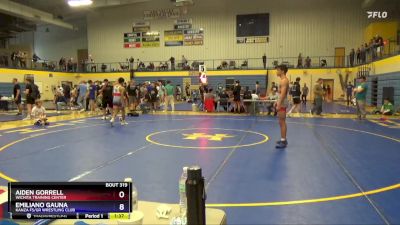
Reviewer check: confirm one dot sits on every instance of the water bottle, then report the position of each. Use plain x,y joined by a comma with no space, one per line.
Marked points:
134,194
182,193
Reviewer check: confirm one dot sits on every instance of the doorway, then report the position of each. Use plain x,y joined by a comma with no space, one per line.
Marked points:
340,55
328,86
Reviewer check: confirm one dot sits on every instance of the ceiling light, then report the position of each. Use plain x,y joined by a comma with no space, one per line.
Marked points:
77,3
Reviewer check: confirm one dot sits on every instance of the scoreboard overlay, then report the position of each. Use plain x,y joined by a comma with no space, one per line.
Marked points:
69,200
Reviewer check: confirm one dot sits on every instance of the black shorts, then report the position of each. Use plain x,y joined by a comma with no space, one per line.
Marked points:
107,101
296,100
30,100
18,102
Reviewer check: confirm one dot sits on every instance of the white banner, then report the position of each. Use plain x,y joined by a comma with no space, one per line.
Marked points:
161,13
141,24
183,21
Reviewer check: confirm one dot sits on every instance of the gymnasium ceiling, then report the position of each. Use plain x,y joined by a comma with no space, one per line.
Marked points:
60,10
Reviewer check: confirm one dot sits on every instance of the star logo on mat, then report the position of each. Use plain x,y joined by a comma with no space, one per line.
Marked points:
215,137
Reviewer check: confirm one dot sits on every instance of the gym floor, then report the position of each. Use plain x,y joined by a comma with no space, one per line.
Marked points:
334,171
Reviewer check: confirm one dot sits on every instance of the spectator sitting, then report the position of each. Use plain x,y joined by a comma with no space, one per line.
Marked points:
161,66
165,66
39,114
60,101
223,99
254,95
323,63
141,66
35,59
386,109
124,67
151,66
224,65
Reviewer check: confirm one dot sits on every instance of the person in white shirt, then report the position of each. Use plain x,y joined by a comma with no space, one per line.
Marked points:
254,95
39,114
271,105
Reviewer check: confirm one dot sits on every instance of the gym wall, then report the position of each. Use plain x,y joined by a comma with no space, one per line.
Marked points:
312,27
51,42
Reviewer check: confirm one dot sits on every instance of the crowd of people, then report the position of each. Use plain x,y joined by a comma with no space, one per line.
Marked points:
19,59
306,64
367,51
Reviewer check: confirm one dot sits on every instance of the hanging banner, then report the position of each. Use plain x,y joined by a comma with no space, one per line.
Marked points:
173,38
193,37
132,40
150,39
162,13
141,26
183,21
249,40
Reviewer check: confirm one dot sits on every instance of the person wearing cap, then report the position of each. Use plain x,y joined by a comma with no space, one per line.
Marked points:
318,96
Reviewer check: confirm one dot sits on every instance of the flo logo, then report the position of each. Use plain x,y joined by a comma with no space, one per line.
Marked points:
376,14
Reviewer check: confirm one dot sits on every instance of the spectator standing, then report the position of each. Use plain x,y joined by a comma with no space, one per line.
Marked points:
361,95
308,62
236,96
133,92
318,94
31,96
93,67
257,88
184,62
17,96
264,59
380,45
295,90
358,54
349,93
107,98
273,96
82,96
172,60
14,59
351,57
131,63
92,96
178,92
363,54
187,90
22,59
247,96
67,93
169,98
304,93
300,61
